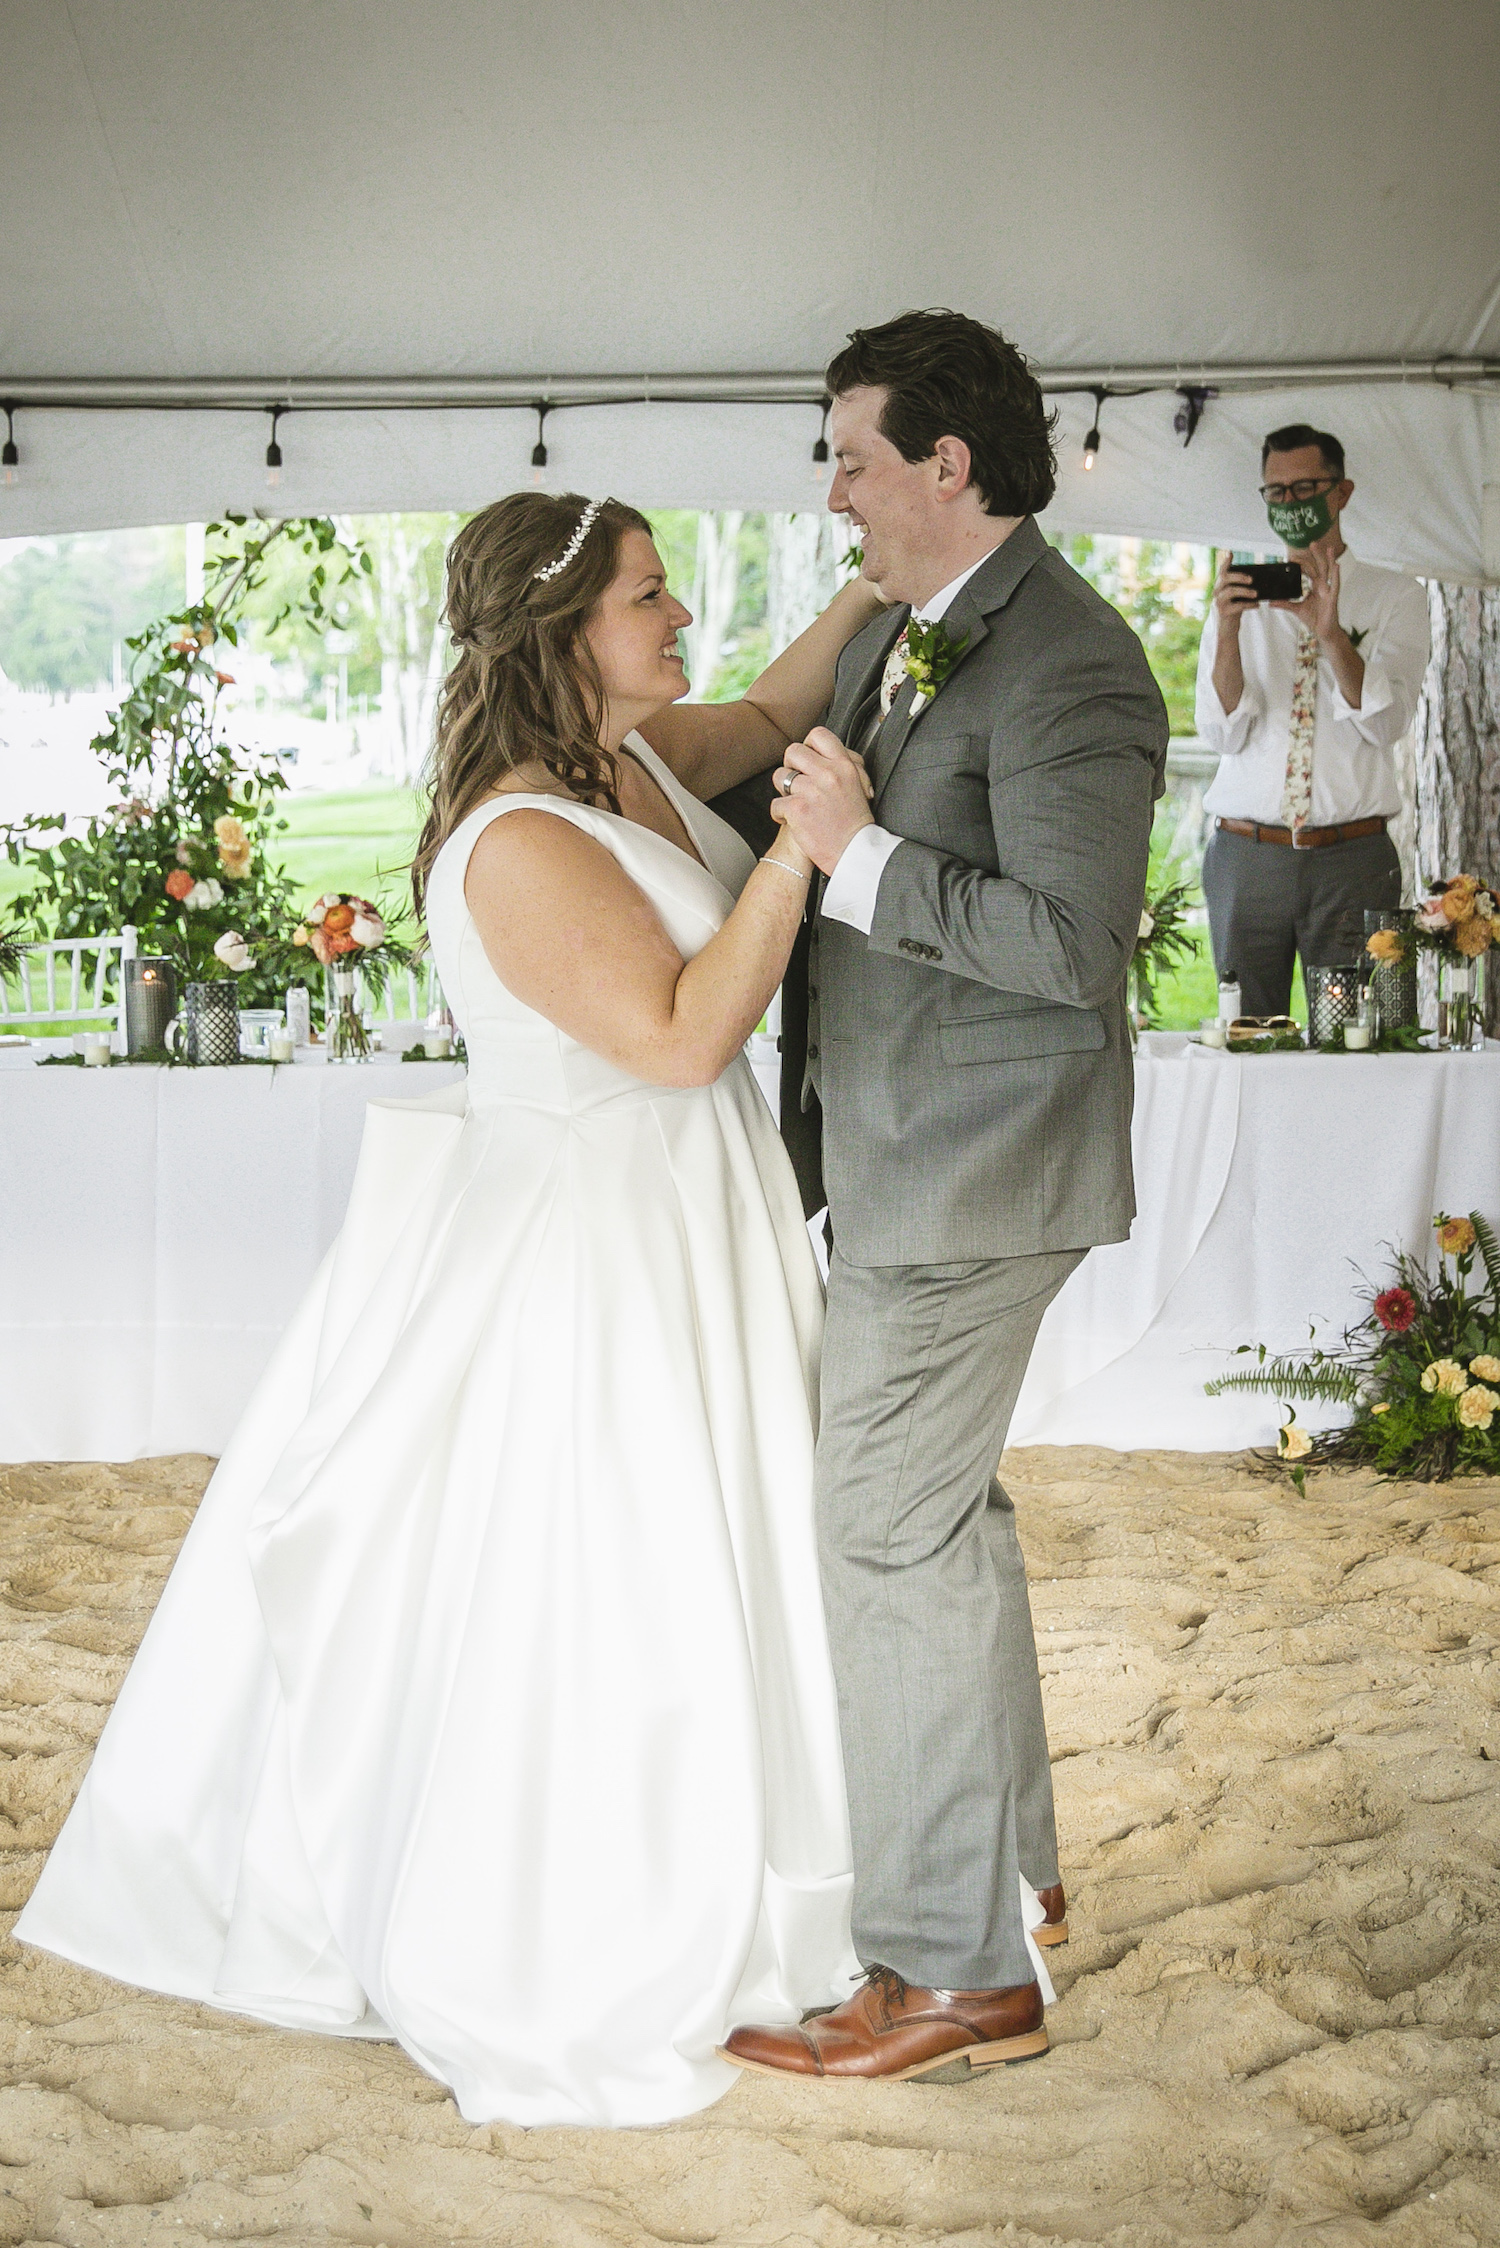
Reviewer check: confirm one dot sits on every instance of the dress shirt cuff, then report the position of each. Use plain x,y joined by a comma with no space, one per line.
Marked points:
1229,734
855,881
1375,699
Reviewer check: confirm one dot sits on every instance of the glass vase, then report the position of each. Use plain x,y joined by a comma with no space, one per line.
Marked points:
1394,982
1460,1025
345,1038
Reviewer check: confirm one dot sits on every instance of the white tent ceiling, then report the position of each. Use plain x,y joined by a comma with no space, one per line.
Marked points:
364,190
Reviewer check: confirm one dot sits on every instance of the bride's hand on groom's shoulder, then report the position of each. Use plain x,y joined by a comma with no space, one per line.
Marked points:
823,797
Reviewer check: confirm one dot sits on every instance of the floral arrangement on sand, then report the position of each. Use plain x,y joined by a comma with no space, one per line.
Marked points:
1421,1370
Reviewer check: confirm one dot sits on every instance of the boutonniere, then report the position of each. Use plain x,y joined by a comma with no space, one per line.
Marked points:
930,655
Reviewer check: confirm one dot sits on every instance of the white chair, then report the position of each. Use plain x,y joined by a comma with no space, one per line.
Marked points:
51,985
418,986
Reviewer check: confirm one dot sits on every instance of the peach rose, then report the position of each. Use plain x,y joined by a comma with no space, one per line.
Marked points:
341,942
1385,944
179,882
1456,904
1476,1408
1474,936
338,919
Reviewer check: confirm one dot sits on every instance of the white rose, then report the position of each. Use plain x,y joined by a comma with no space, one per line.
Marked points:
233,951
1148,925
367,928
204,894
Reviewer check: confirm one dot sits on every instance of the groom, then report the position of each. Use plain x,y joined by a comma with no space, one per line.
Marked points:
966,1043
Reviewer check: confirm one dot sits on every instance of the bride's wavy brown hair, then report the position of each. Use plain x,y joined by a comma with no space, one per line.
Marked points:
526,689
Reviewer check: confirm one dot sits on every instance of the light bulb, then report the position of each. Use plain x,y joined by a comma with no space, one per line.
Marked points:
1091,447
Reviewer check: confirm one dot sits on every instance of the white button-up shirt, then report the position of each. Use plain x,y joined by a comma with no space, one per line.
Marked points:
855,881
1353,769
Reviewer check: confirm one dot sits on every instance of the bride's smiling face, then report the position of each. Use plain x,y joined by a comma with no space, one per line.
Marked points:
633,632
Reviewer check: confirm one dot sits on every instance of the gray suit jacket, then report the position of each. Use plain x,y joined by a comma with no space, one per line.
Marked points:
972,1054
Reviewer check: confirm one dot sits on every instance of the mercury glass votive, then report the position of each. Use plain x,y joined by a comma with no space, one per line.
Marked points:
150,1001
1332,1001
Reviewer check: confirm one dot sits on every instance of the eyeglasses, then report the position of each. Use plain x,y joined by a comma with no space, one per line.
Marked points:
1276,495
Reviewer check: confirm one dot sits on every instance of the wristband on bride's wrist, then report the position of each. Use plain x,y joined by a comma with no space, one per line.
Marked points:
782,868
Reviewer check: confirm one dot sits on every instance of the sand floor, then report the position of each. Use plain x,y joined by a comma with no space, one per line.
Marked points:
1276,1724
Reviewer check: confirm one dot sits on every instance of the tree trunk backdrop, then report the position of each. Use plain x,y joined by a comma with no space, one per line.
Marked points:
1456,749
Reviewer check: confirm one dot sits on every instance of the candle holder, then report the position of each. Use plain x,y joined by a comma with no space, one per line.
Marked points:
1332,1001
1394,982
209,1025
150,1001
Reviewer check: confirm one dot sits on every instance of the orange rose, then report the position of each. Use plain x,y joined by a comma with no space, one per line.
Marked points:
341,941
338,919
179,882
1385,944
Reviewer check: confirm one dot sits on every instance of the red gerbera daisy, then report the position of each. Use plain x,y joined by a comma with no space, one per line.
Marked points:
1396,1309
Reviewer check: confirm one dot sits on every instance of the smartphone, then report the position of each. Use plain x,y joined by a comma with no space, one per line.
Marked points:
1273,581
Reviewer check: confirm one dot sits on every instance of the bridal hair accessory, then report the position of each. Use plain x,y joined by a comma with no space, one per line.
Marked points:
585,525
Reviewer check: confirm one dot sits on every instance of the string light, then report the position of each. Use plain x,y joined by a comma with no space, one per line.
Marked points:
10,459
820,449
1195,398
1091,442
539,449
273,450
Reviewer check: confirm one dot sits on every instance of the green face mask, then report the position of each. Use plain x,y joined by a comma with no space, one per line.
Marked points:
1300,522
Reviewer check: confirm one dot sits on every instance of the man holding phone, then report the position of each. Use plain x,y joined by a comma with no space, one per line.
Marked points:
1306,682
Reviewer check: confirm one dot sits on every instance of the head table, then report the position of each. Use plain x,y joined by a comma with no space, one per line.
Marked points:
157,1227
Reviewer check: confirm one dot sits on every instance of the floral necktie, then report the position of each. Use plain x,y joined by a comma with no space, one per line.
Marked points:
894,674
1296,795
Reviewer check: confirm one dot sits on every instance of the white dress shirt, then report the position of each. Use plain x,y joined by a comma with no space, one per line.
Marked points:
855,881
1353,769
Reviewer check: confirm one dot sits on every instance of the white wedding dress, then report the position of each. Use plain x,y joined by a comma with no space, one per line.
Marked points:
488,1705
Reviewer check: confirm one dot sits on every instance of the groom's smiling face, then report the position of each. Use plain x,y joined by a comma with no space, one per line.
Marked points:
903,512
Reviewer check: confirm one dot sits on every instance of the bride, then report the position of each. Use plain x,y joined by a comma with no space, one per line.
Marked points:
488,1706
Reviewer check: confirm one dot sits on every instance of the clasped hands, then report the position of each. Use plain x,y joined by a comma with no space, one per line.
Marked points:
823,796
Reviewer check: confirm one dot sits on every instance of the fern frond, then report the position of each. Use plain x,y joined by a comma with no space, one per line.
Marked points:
1489,1249
1296,1379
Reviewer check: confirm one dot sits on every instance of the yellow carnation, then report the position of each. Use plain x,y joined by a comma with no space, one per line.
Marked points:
1383,1407
1294,1443
1476,1408
1446,1376
1473,937
1485,1368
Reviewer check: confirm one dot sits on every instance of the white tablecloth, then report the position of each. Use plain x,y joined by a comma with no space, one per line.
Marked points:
157,1227
1265,1185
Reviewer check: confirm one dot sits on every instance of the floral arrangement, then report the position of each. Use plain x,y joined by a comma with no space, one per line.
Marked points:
351,937
338,924
188,854
1163,940
1421,1370
1459,918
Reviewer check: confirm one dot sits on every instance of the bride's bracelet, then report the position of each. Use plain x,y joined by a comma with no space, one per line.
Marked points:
783,868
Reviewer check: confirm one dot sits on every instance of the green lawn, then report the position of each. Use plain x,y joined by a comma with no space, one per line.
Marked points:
358,839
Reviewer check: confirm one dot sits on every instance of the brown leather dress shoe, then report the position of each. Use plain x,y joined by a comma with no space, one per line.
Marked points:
890,2028
1054,1929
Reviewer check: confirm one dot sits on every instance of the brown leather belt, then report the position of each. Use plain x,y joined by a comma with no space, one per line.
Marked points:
1307,838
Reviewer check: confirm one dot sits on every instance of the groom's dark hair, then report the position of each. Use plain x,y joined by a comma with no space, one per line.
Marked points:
949,376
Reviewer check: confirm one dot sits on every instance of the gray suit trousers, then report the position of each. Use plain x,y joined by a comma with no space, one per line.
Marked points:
945,1746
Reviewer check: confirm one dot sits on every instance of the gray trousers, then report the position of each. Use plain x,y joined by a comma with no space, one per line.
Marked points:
1267,903
945,1745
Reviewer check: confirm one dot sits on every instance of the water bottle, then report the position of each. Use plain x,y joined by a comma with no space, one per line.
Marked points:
1229,996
